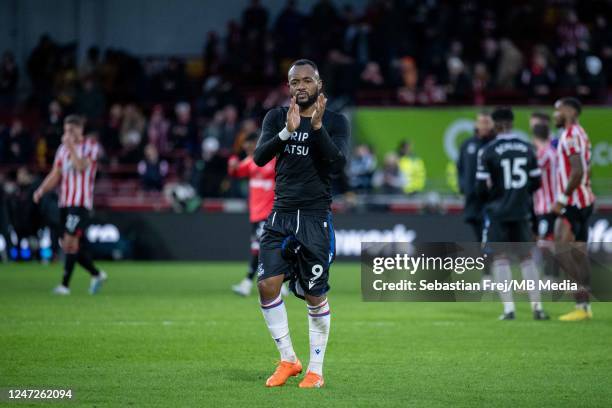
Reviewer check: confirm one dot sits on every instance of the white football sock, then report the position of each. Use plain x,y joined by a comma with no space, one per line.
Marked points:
275,315
319,321
530,272
503,273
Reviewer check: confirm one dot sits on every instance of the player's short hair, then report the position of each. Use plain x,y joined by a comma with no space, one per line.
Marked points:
304,61
543,116
76,120
502,114
573,103
541,131
484,112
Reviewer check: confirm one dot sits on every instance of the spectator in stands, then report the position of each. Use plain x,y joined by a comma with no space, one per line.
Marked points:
539,78
90,101
601,44
65,84
212,53
570,34
53,129
254,18
288,31
371,76
323,20
413,169
91,66
490,56
253,34
362,168
19,144
130,134
9,76
247,127
278,96
152,170
510,64
112,129
570,79
408,77
172,81
229,130
594,81
459,86
214,127
158,130
210,171
183,133
41,66
389,179
480,83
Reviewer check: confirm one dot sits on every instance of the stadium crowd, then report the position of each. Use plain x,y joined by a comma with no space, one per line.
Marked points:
182,118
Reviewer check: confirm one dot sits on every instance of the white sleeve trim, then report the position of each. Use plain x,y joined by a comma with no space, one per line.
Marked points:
284,134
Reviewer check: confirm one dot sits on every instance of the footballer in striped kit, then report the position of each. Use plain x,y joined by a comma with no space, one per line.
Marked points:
74,169
574,201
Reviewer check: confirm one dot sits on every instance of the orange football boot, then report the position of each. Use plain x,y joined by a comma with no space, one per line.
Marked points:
282,373
312,380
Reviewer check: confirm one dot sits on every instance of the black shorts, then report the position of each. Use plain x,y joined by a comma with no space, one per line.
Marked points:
545,226
301,247
75,220
578,219
256,233
507,231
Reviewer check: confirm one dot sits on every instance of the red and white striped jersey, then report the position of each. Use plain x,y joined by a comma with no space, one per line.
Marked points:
544,197
574,140
77,187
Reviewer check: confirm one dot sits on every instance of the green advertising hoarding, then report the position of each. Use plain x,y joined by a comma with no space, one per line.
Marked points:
436,134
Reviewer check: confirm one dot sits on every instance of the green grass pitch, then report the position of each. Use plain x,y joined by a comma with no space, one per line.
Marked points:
173,335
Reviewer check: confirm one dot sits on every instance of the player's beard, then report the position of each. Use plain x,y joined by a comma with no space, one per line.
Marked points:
308,102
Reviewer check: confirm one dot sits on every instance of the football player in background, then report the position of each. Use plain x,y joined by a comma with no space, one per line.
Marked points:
544,198
574,202
74,168
507,176
466,171
261,199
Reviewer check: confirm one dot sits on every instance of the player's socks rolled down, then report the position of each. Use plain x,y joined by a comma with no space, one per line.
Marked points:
530,272
275,315
503,273
68,268
319,320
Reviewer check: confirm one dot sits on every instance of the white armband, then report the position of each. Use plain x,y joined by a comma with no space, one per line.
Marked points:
562,199
284,134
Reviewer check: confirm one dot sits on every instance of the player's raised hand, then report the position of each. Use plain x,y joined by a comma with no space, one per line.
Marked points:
293,116
317,116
